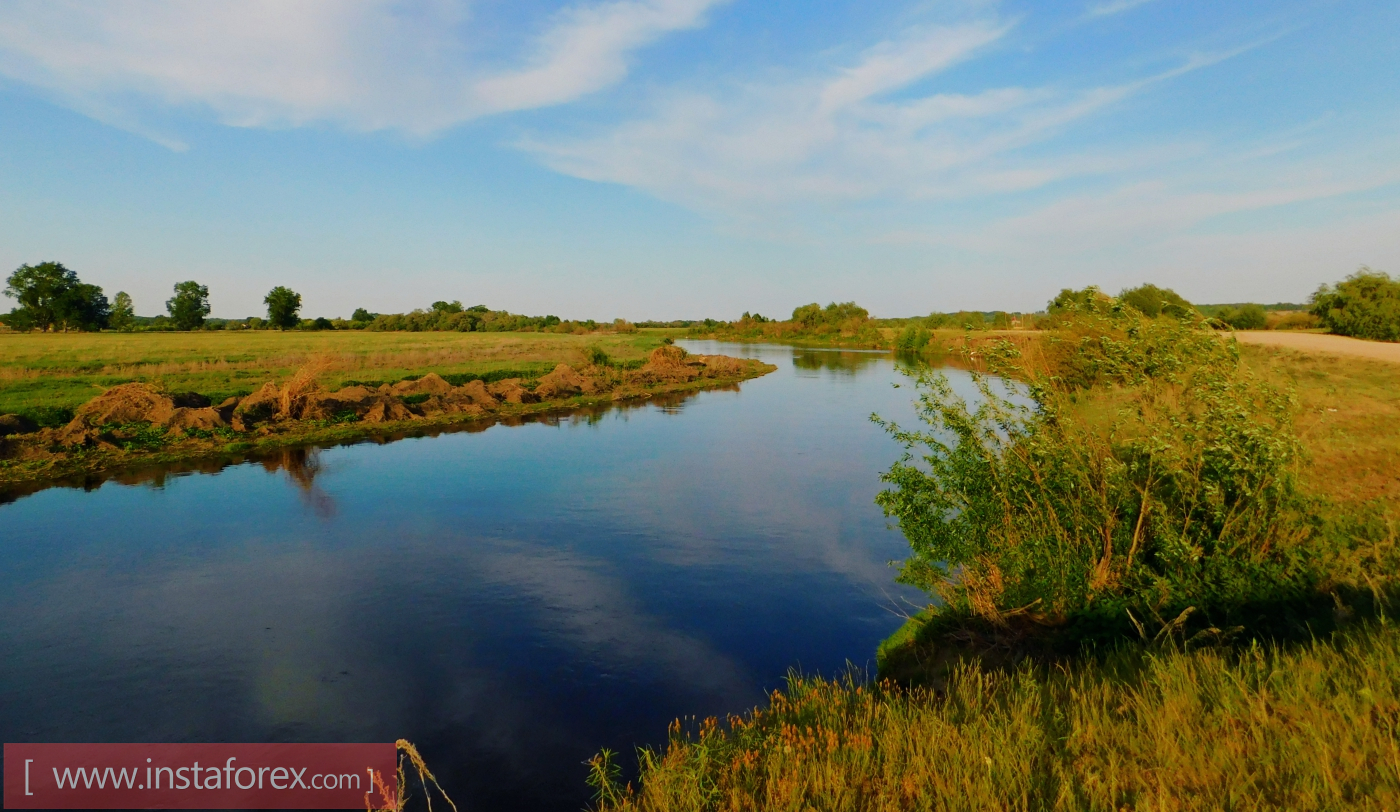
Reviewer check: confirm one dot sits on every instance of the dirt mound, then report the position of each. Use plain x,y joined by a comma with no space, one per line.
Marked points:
127,403
476,392
430,384
14,424
185,418
511,391
386,410
257,407
326,405
562,382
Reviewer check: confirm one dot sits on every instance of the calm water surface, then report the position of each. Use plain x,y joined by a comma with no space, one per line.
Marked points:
511,600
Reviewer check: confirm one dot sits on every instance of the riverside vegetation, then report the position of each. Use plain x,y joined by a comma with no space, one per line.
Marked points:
1160,571
164,398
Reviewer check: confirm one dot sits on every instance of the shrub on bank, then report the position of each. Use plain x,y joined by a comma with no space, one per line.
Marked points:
1365,305
1043,513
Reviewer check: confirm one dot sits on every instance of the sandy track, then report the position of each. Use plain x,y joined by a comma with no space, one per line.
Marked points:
1314,342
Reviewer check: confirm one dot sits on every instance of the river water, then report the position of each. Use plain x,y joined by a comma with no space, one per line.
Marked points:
511,600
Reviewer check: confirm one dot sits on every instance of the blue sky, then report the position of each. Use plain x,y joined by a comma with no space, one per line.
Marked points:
692,158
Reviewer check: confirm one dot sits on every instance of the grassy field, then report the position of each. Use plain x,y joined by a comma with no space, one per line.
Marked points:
1349,420
1305,727
67,369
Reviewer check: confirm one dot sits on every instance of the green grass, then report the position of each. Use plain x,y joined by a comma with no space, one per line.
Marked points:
1312,726
58,370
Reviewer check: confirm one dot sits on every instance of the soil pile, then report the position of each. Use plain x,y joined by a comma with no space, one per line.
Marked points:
258,407
127,403
563,382
512,390
430,384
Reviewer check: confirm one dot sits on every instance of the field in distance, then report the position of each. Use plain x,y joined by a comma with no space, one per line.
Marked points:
64,370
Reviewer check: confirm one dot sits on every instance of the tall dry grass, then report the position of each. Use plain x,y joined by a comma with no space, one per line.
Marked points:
1310,727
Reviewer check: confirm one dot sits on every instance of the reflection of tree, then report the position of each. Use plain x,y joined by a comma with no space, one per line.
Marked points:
844,362
302,466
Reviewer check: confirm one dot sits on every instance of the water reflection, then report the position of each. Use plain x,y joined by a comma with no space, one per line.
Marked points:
510,597
302,465
847,362
155,475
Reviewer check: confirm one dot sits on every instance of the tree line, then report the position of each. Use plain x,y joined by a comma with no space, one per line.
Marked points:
51,297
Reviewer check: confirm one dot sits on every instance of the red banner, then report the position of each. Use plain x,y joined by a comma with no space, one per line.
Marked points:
200,776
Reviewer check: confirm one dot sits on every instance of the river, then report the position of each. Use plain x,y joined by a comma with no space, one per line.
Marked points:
511,600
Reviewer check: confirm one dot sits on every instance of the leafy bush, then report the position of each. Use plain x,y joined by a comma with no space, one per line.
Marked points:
834,315
961,320
1365,305
1152,301
595,355
1039,509
912,339
1244,317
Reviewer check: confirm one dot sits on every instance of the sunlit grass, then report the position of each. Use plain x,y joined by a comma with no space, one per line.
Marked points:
1308,727
68,369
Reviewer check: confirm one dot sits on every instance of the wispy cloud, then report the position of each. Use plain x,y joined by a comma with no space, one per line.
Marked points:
587,50
1114,7
856,133
364,64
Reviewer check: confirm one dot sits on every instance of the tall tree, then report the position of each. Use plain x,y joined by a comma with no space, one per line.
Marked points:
51,296
283,307
123,312
40,291
189,305
84,307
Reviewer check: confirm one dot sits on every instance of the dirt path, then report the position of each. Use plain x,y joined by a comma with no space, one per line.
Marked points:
1314,342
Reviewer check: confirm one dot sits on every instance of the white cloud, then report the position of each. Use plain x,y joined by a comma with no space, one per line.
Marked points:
859,133
587,51
365,64
1114,7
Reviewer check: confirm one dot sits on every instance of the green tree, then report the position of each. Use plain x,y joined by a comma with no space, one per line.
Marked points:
123,312
283,305
1365,305
447,307
41,291
84,307
189,305
362,316
1152,301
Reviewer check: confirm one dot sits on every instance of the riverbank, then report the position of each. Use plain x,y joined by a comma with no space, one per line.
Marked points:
1132,728
136,425
1173,576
